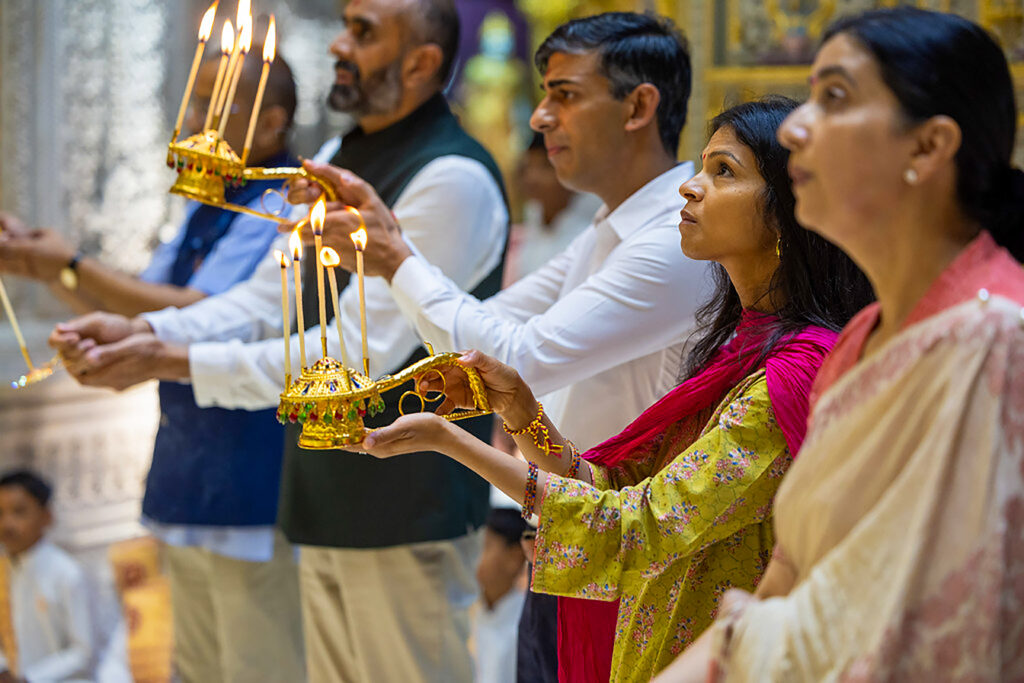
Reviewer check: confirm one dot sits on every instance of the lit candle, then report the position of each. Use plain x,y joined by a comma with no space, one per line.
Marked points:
269,48
244,42
286,326
316,219
205,29
329,258
14,325
295,244
227,41
359,240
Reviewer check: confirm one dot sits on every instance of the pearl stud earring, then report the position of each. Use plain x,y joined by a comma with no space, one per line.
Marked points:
910,176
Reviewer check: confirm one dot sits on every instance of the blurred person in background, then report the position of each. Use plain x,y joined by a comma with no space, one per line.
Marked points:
500,574
553,215
212,489
47,620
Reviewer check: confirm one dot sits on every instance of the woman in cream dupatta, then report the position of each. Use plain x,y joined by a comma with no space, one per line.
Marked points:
900,528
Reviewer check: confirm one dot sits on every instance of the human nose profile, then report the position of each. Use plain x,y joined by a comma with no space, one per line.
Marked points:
794,132
341,46
691,190
542,121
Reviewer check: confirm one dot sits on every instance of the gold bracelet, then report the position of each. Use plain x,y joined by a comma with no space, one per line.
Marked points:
538,431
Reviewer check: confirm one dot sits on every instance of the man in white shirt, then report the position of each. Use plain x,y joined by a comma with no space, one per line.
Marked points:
386,570
600,328
51,632
598,331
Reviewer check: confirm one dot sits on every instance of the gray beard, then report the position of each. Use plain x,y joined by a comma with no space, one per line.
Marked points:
380,93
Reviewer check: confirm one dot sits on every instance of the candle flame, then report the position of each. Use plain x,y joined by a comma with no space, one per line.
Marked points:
329,257
206,27
227,38
243,10
295,244
281,257
359,238
245,38
270,42
317,216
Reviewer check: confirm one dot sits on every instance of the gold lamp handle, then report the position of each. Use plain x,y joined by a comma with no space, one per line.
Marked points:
281,173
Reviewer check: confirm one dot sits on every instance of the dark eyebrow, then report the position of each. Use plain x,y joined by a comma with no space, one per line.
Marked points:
360,20
723,153
558,82
834,70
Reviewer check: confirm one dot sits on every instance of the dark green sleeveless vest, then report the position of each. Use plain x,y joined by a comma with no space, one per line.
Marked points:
346,500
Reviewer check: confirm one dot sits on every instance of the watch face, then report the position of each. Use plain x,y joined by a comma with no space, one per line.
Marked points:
69,278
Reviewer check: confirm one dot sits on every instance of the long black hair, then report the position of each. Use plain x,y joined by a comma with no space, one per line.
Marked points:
942,64
814,284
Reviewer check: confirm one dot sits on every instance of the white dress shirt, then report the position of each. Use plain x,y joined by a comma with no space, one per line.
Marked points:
495,637
452,211
52,615
599,331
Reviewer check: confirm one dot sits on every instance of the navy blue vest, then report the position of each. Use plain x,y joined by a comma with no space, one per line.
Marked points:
213,466
346,500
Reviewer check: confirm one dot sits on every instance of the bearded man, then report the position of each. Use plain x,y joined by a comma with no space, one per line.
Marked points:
388,548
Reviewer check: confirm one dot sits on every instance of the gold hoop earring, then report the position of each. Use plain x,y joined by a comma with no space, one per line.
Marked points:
778,250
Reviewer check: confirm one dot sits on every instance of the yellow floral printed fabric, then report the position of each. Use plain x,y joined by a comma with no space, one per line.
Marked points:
670,544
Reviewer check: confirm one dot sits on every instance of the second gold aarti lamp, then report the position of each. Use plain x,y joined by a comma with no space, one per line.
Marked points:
328,398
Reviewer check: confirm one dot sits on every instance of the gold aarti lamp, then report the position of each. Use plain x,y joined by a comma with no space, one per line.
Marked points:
206,164
328,398
35,373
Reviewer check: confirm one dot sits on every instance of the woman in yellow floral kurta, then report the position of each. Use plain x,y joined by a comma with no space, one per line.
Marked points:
672,511
670,544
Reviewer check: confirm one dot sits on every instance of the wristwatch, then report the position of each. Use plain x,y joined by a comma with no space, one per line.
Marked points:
69,273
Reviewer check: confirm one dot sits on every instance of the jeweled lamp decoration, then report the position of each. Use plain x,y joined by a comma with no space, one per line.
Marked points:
328,398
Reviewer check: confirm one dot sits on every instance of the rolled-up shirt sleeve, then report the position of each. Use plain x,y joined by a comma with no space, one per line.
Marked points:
638,302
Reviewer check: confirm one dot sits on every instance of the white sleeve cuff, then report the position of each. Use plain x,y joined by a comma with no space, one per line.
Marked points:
164,326
221,379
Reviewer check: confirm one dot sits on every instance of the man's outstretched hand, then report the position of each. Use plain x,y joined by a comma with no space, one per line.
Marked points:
110,350
385,248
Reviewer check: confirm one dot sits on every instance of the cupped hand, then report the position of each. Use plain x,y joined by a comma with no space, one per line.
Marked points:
505,389
39,254
408,434
77,336
12,226
127,362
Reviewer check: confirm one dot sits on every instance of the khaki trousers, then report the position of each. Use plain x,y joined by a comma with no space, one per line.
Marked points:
390,615
235,621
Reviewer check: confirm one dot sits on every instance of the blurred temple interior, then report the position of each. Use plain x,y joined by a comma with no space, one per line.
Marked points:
88,94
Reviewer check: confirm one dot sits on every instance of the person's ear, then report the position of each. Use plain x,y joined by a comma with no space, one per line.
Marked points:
47,516
421,65
642,107
271,127
936,142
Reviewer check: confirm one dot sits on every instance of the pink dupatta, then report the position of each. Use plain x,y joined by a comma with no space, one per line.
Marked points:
586,628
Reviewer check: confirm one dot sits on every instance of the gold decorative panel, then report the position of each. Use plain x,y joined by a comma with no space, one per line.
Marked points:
753,47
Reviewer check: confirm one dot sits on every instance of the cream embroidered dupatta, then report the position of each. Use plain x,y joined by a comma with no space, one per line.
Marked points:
903,516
